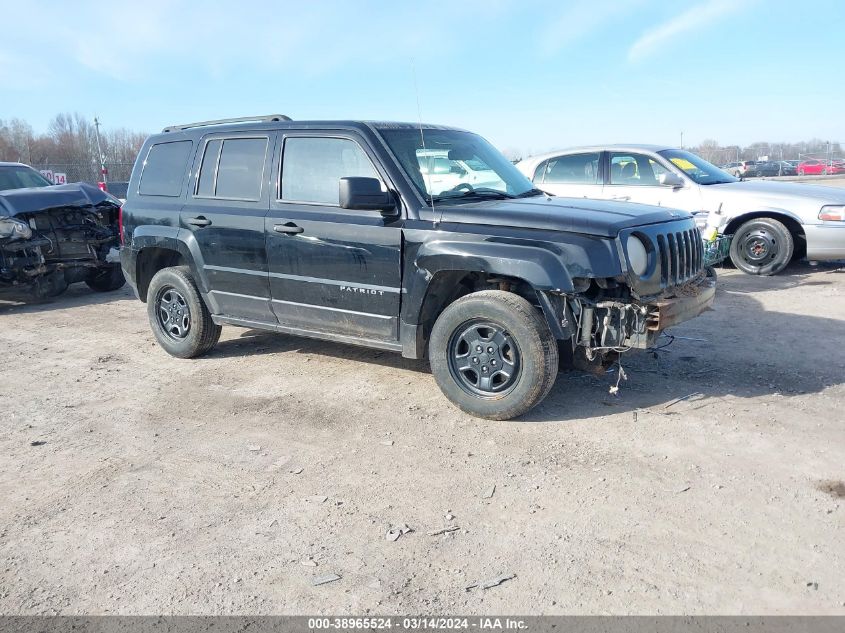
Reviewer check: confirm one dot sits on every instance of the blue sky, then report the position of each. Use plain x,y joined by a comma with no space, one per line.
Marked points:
530,76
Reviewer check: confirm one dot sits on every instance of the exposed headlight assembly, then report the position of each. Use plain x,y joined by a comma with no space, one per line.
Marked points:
637,255
14,229
833,213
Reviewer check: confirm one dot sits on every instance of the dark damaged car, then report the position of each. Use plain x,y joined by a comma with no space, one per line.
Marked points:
54,235
423,240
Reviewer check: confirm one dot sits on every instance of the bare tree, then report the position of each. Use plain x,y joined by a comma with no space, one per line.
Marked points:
16,140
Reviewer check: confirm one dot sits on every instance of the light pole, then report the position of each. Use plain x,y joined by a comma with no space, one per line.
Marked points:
103,171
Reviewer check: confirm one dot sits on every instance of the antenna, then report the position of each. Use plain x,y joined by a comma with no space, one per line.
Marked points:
427,176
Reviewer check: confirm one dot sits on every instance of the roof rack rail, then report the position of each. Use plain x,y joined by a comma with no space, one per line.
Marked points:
240,119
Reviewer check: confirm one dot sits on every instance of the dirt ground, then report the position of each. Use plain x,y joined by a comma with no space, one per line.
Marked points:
136,483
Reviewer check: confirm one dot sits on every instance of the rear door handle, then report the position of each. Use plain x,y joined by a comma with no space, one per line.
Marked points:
198,221
289,227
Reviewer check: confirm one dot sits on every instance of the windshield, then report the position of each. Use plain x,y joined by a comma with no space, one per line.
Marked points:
455,165
20,176
697,168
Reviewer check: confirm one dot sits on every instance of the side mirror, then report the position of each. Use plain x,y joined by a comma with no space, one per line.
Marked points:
671,179
365,194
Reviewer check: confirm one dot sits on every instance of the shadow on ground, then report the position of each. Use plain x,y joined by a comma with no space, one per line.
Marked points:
739,349
14,302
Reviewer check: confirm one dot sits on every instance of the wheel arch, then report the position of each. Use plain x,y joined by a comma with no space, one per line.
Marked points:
789,220
158,250
448,271
537,266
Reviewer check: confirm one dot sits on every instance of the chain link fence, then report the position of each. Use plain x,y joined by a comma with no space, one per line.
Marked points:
86,172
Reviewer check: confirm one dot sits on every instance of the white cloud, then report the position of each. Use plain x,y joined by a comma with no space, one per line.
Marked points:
696,17
576,21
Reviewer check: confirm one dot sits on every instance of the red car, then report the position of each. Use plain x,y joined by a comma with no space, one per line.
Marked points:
814,167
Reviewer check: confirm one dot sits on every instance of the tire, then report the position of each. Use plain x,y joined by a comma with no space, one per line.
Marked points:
801,172
188,330
824,171
50,285
762,246
519,337
106,279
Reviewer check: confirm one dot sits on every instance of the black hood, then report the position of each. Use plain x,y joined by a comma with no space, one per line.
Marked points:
33,199
602,218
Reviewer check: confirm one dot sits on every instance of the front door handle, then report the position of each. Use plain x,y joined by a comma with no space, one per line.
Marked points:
198,221
626,198
290,228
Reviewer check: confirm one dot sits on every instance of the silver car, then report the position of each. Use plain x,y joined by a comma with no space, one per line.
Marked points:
771,222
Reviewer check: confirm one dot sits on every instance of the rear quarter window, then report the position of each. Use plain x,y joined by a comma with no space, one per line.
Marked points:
164,169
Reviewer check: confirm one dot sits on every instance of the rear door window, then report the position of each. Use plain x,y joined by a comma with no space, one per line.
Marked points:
582,169
164,169
240,171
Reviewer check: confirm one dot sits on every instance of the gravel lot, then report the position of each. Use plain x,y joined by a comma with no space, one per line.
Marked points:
227,484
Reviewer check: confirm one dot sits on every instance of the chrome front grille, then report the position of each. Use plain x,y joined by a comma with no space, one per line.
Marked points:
681,256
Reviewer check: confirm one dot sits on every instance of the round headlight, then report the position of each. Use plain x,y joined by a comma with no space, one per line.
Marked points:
637,255
14,229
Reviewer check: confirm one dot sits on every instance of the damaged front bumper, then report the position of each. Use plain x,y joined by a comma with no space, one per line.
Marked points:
616,326
694,300
53,236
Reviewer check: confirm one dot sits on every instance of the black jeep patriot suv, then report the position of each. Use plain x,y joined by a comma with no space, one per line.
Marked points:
417,239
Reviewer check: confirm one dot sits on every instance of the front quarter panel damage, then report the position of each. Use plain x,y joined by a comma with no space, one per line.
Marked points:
72,235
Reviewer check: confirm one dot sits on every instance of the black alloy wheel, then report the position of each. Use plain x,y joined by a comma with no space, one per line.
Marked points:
174,315
493,355
179,318
484,359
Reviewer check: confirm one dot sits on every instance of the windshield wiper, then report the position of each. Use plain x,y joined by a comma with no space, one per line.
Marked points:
481,192
531,193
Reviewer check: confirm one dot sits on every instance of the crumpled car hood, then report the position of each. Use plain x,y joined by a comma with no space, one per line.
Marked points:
34,199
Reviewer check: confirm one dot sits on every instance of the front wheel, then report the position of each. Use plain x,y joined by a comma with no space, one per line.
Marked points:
762,246
178,316
106,279
492,354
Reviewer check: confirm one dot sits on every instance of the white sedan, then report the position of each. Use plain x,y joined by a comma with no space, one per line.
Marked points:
771,222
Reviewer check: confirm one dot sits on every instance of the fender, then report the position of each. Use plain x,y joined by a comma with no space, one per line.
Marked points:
544,269
181,241
736,218
541,268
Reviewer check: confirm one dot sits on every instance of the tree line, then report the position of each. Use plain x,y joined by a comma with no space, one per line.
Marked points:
70,145
711,151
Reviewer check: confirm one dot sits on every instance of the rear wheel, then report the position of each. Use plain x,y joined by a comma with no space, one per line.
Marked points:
824,171
178,316
493,355
801,172
106,279
762,246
